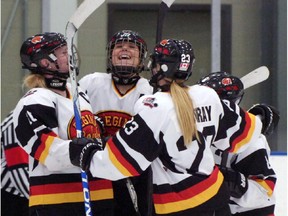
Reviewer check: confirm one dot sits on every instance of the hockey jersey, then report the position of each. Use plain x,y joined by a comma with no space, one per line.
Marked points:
44,125
115,109
259,198
185,177
107,103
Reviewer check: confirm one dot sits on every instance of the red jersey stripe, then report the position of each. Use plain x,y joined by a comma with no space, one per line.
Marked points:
247,133
68,187
16,156
119,161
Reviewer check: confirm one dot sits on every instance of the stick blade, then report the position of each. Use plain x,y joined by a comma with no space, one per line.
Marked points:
83,11
256,76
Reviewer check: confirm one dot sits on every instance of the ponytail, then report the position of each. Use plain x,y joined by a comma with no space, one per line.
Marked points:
34,81
184,111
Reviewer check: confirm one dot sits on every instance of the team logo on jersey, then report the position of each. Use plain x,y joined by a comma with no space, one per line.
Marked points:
90,128
113,120
149,101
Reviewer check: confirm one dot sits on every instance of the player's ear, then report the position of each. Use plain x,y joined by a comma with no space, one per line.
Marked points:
44,63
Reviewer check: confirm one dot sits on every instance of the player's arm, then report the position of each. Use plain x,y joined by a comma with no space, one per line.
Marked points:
35,127
260,178
237,128
126,154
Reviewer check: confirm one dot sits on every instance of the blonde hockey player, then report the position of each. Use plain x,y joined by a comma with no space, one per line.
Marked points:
45,127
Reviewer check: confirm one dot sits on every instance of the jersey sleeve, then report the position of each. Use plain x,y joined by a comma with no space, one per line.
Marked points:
261,176
134,147
236,127
35,120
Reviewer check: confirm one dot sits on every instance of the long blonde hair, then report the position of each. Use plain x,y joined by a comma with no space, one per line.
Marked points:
34,81
184,110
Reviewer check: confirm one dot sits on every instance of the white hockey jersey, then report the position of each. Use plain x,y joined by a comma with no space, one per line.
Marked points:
259,198
115,109
108,104
44,125
184,176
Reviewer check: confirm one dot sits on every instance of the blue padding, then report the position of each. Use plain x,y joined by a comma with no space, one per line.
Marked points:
278,153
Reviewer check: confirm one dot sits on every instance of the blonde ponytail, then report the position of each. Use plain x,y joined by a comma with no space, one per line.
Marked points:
185,111
34,81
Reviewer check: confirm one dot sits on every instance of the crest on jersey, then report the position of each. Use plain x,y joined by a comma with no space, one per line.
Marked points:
149,101
89,126
113,120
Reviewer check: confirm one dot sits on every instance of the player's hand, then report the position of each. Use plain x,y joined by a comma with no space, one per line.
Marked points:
236,181
269,116
81,151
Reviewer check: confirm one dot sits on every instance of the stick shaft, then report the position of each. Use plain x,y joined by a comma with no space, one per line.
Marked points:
164,7
83,11
71,30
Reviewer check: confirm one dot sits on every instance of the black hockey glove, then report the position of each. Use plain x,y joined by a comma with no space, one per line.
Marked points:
81,151
236,181
269,116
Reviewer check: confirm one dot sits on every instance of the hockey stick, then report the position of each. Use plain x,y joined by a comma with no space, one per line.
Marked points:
164,7
133,195
83,11
254,77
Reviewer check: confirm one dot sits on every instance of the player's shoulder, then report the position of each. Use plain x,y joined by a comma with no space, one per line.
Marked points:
158,102
94,80
95,76
203,93
37,92
202,89
143,86
38,96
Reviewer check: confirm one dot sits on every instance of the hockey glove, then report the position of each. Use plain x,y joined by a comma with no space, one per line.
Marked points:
81,151
236,181
269,116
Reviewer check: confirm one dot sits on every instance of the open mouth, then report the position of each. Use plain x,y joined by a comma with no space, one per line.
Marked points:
124,57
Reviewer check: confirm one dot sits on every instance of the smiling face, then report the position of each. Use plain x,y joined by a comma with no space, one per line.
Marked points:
125,54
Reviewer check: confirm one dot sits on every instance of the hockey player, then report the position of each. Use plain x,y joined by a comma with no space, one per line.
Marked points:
45,126
249,174
166,134
14,172
113,96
